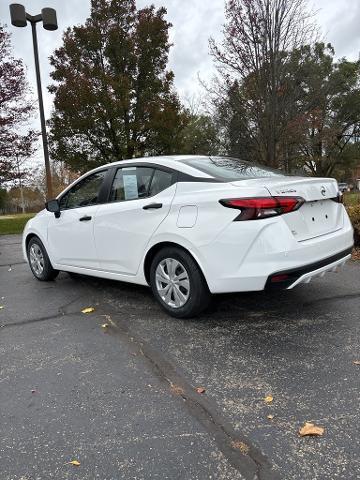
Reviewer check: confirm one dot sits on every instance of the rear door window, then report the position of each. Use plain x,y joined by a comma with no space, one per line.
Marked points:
161,181
131,183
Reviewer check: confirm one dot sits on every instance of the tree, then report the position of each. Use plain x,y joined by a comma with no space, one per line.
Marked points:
61,178
251,62
26,199
114,96
200,135
15,110
323,130
3,199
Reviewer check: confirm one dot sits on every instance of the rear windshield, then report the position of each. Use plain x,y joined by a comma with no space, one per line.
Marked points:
231,169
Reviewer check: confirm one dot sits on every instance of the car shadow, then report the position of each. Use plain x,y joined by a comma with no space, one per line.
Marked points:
312,299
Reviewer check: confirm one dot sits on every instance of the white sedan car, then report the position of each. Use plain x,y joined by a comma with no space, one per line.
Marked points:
190,226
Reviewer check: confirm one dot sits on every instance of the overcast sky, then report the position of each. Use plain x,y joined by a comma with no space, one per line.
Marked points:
194,21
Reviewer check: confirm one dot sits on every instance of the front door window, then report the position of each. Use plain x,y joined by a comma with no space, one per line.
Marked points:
84,193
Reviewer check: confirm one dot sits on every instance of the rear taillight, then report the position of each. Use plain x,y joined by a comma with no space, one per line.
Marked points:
262,207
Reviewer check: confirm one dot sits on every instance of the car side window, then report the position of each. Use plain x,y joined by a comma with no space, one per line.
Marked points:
131,183
84,193
160,181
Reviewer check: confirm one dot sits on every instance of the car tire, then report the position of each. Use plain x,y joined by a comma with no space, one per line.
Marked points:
39,261
178,283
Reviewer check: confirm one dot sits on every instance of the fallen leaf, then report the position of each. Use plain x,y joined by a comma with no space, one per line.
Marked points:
269,399
355,254
105,326
88,310
200,390
311,429
240,446
75,463
356,362
270,417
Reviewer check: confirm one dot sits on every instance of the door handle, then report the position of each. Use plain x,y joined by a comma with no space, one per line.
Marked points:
152,205
85,219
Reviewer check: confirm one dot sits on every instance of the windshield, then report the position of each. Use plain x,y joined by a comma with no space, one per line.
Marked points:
231,169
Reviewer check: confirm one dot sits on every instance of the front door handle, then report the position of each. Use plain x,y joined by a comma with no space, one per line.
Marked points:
85,219
152,205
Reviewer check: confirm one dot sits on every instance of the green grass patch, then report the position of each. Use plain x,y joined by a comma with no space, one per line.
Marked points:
351,198
10,224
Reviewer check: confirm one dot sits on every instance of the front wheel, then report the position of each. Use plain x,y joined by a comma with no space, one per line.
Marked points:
39,261
178,283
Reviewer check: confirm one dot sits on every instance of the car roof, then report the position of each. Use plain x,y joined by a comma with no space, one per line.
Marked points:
170,161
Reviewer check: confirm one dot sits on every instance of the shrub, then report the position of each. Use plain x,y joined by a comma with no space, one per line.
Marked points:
354,214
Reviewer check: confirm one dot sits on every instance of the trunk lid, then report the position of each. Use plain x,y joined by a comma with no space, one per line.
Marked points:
310,189
319,215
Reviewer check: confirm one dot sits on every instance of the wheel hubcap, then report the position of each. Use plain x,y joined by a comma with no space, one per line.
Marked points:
172,282
36,259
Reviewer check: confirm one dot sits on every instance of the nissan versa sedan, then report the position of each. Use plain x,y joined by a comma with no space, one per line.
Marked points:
192,226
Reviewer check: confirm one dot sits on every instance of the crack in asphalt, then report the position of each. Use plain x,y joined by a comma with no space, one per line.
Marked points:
61,313
62,308
37,320
9,244
11,264
235,446
241,454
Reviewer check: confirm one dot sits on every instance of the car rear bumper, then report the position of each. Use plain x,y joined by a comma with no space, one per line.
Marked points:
241,260
288,279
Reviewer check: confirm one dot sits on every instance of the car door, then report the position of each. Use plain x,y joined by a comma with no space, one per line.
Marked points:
71,236
139,200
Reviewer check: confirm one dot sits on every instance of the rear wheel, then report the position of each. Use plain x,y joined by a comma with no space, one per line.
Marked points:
39,261
178,283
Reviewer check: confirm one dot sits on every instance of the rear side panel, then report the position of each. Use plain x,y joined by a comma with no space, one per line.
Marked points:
240,255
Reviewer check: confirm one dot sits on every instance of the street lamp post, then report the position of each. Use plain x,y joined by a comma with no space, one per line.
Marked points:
19,18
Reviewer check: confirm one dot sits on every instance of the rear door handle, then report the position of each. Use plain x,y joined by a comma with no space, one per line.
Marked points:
152,205
85,219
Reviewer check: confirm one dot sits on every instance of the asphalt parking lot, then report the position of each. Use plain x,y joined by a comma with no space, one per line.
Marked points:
123,401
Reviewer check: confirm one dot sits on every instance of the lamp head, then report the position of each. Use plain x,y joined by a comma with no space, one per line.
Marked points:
18,15
49,19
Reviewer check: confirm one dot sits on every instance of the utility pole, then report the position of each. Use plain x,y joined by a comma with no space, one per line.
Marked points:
19,18
20,184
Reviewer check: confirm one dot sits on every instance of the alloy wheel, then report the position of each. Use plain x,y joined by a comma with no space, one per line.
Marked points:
36,259
172,282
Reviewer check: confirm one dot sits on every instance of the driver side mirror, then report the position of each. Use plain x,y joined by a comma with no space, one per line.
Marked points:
54,207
